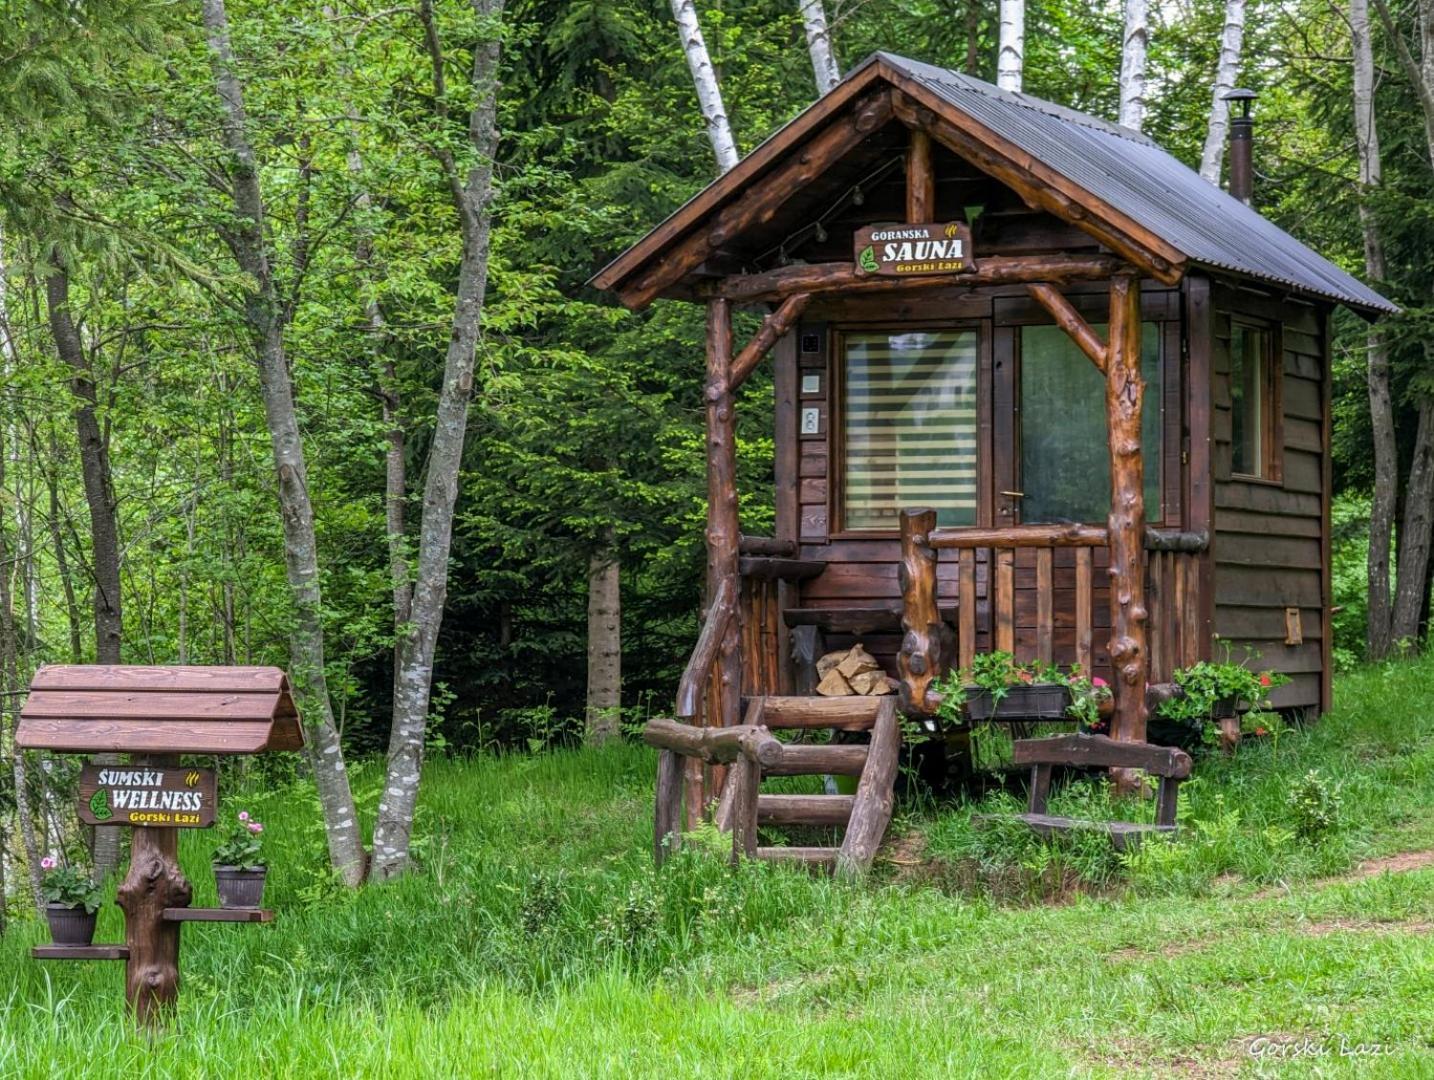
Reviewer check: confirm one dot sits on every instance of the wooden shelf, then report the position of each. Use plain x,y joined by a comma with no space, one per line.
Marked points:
218,914
80,952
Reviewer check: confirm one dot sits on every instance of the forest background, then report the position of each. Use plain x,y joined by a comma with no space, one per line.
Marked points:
148,328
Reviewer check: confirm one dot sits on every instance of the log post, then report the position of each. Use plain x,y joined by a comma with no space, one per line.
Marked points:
667,816
920,179
724,534
926,644
1124,391
154,882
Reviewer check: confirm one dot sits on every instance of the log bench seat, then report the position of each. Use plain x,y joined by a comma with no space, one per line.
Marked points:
1096,751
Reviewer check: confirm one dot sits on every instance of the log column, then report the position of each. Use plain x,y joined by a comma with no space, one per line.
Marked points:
154,882
723,536
926,644
1124,392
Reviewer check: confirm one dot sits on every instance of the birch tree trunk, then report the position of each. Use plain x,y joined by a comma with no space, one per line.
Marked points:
1412,580
1227,70
264,314
819,45
1381,404
472,195
100,498
1132,64
604,694
704,77
1011,44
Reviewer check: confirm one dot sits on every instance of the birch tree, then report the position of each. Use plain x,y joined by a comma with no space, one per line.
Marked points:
819,45
470,188
1412,572
1011,44
1381,404
604,689
1227,70
265,316
704,77
1134,48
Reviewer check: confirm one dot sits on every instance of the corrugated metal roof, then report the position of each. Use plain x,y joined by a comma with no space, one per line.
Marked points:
1136,177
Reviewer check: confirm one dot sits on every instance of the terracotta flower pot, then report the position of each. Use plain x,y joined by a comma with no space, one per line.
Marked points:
240,887
70,925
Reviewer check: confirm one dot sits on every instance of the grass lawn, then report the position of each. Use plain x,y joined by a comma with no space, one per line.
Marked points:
538,940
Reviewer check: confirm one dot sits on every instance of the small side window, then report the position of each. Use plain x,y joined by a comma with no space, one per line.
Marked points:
1254,403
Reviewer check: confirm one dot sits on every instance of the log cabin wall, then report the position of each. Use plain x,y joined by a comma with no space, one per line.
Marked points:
1271,502
863,565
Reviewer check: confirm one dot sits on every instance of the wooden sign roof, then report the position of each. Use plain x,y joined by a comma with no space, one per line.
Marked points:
93,708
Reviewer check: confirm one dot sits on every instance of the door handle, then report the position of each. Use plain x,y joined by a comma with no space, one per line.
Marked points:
1014,494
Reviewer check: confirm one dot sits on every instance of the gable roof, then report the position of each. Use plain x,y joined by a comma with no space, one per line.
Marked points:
1113,173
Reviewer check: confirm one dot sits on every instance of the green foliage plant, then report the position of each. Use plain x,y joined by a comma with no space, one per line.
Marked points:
68,885
241,845
1210,690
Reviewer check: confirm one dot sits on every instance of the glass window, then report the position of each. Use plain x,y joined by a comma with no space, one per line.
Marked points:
909,427
1065,453
1249,400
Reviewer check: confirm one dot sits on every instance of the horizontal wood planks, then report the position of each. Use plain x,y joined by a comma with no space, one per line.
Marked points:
144,709
1269,537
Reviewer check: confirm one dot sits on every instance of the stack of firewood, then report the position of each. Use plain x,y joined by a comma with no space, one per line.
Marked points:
852,672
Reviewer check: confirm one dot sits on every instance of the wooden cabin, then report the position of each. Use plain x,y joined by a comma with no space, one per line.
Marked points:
1039,387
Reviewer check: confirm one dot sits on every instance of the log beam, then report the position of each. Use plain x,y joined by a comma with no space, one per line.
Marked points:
715,746
761,201
818,278
920,180
1069,320
773,327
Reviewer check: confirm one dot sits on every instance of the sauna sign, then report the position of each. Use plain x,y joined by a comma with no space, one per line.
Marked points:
147,795
907,250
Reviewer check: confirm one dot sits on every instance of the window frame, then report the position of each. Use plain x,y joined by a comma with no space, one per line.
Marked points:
1272,410
836,421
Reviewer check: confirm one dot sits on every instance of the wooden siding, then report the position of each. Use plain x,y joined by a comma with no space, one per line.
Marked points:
1269,546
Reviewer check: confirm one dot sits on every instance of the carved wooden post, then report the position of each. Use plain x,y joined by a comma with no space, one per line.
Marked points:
723,530
1124,391
926,645
154,882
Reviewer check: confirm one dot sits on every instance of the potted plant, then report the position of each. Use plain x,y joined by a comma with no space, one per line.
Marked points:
1088,694
996,683
1212,696
239,869
71,900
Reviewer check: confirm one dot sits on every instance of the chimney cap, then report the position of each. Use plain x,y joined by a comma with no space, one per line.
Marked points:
1245,98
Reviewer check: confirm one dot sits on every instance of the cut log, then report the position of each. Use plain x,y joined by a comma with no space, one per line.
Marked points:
857,662
872,683
799,760
811,712
834,685
804,809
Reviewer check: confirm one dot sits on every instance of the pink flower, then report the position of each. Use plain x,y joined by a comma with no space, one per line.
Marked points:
1099,682
243,815
47,863
255,827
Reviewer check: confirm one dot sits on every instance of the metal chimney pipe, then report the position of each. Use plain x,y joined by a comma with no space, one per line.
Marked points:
1242,133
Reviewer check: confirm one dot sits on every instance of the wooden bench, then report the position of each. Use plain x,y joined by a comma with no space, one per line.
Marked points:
1097,751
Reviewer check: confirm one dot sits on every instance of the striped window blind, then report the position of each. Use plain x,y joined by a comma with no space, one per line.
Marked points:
909,427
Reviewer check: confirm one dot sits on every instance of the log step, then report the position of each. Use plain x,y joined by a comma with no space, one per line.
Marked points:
820,857
800,760
804,809
850,713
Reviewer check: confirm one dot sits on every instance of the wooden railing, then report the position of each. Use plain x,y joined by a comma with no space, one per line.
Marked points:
700,666
926,651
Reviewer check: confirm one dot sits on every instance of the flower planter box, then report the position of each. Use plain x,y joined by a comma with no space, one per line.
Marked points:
239,887
70,925
1039,701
